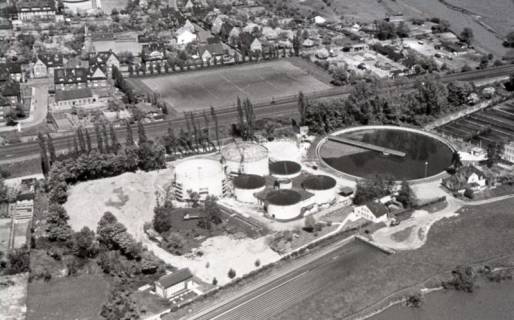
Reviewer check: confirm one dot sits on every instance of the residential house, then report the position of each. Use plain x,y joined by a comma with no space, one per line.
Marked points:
256,45
373,211
233,36
211,52
97,75
11,91
70,78
153,52
36,9
217,24
184,37
10,71
45,65
466,177
174,284
508,152
75,98
108,59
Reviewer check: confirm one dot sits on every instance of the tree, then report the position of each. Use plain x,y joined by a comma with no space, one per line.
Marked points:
120,305
370,189
216,126
89,146
509,85
82,140
99,139
302,106
212,210
84,243
309,223
45,163
51,148
231,273
141,133
130,136
58,228
467,35
115,145
456,160
297,44
105,135
509,40
18,261
4,191
405,195
161,220
494,153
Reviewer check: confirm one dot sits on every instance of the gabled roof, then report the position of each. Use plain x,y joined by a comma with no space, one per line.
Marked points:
103,56
73,94
460,178
10,68
97,71
215,49
377,208
51,60
70,75
174,278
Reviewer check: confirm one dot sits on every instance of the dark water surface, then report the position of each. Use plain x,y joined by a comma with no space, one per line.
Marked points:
419,149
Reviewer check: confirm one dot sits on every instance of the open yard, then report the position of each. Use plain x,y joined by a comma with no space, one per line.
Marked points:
131,198
13,295
476,235
78,297
220,87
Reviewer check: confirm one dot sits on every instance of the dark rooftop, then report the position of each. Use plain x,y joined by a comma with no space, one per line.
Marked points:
174,278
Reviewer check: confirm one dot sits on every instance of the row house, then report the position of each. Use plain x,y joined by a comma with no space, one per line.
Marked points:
36,9
46,64
70,78
76,98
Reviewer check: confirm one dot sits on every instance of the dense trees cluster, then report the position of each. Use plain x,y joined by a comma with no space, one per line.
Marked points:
370,189
388,30
366,105
246,128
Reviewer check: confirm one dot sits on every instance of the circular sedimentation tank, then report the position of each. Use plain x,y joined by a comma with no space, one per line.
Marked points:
202,175
323,187
245,187
245,158
284,205
285,169
426,155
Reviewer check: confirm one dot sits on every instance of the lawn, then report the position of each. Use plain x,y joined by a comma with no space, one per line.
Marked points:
13,295
220,87
78,297
477,235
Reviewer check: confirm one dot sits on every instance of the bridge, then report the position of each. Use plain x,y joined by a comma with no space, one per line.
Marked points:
369,146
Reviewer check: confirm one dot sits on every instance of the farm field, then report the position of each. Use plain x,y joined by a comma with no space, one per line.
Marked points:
220,87
477,234
499,119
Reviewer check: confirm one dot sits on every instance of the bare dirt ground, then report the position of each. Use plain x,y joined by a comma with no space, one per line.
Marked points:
260,82
13,295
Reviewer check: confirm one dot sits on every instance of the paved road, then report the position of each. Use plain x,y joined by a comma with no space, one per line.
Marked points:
229,115
263,301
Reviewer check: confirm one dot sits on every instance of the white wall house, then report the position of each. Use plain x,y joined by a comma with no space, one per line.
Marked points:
174,284
375,212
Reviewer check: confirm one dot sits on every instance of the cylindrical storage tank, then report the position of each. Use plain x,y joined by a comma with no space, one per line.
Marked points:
323,187
285,169
245,186
284,205
245,158
202,175
284,150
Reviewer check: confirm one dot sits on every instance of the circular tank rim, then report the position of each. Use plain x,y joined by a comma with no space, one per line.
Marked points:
231,152
319,182
288,167
249,182
437,176
281,198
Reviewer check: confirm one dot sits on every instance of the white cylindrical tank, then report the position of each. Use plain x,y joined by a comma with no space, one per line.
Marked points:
245,158
284,205
284,150
201,175
323,187
245,187
285,169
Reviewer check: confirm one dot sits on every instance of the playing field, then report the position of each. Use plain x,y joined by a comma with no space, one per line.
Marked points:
220,87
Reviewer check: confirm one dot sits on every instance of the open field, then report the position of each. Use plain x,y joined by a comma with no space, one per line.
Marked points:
220,87
78,297
477,234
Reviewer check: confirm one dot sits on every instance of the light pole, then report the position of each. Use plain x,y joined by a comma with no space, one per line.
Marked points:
426,168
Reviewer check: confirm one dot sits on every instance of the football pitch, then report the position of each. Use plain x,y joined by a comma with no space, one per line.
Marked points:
196,90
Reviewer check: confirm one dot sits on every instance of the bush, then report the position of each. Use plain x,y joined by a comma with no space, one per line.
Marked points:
214,281
257,263
414,301
468,193
231,273
18,261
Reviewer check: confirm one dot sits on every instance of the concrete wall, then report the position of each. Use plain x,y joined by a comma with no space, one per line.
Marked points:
247,195
323,196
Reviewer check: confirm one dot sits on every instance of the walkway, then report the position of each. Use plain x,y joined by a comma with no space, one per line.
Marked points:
368,146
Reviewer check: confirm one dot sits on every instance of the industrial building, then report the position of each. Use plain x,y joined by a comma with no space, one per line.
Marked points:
202,175
245,158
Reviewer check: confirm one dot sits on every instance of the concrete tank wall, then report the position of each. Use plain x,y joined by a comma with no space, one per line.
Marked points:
323,196
201,175
285,212
258,167
247,195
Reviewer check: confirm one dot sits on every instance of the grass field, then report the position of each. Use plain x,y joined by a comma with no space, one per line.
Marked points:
220,87
477,235
78,297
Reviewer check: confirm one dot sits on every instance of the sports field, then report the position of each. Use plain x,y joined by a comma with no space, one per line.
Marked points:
220,87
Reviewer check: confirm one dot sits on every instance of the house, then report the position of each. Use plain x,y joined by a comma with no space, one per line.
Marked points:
319,20
173,284
211,52
189,5
10,71
97,75
373,211
108,59
308,43
75,98
70,78
153,52
217,24
35,9
45,65
256,45
233,35
11,91
466,177
184,37
508,152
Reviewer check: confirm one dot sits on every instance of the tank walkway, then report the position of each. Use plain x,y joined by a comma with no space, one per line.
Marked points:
368,146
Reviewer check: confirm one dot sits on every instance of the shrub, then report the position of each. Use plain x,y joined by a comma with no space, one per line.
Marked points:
257,263
231,273
214,281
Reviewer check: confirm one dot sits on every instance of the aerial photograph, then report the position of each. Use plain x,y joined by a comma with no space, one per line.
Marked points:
256,160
